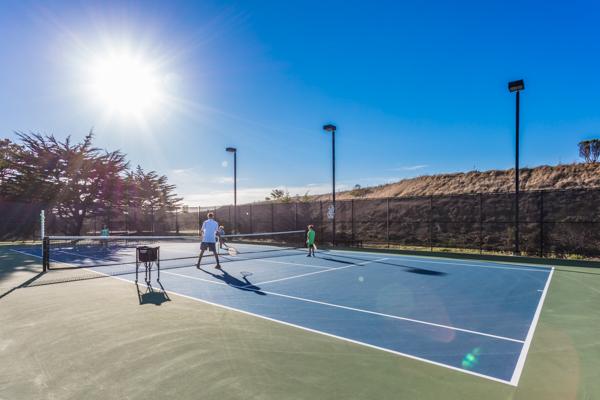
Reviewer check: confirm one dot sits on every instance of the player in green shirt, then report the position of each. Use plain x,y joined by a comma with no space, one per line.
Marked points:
104,233
310,241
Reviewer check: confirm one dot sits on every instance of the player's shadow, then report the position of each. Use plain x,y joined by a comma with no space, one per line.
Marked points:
152,295
407,268
234,282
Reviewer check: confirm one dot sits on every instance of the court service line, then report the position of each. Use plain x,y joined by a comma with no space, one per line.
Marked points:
320,272
521,361
417,321
285,262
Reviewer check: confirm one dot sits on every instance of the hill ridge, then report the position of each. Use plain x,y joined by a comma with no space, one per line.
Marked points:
563,176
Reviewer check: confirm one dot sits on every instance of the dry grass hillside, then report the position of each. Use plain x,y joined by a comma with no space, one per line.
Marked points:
569,176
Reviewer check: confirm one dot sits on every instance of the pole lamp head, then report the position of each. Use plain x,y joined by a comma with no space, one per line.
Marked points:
329,128
516,86
231,149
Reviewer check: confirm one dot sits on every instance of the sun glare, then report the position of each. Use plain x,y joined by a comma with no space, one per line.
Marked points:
125,84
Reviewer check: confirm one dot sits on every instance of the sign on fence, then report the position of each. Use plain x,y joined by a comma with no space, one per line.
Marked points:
331,212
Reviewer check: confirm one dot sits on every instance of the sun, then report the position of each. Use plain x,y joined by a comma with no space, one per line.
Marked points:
125,84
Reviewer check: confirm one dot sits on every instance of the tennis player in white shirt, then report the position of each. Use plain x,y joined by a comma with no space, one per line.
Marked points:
209,239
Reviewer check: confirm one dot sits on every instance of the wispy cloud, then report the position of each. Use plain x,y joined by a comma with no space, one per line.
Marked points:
182,171
249,195
410,167
222,179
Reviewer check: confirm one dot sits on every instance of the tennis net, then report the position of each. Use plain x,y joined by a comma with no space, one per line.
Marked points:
113,255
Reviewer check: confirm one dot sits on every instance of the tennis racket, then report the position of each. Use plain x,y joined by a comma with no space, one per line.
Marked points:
232,251
245,273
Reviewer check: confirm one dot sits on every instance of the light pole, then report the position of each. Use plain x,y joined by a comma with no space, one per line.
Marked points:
332,128
234,151
516,86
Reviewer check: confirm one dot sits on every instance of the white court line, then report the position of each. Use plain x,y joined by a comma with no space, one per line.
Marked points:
447,327
521,361
331,335
320,272
410,258
24,253
285,262
409,356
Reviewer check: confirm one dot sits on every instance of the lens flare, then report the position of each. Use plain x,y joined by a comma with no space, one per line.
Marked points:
471,359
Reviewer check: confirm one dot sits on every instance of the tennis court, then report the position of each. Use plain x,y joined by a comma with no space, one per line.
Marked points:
476,317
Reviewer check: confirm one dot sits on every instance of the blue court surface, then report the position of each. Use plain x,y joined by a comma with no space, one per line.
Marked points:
477,317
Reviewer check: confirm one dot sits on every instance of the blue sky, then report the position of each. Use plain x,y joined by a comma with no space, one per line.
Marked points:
414,87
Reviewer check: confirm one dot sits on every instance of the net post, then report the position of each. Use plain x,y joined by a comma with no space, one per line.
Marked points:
42,224
45,253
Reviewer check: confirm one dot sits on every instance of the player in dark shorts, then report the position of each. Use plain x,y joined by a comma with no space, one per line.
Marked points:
209,239
310,241
221,237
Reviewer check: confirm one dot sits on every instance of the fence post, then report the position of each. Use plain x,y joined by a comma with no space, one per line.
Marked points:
272,217
296,216
387,221
321,218
251,217
431,223
352,217
542,223
152,219
199,225
480,223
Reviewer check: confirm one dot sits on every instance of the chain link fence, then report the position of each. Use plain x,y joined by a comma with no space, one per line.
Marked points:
552,223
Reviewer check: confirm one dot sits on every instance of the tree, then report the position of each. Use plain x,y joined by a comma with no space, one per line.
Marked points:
277,194
286,198
9,152
595,150
305,198
358,191
150,196
302,199
589,150
74,180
